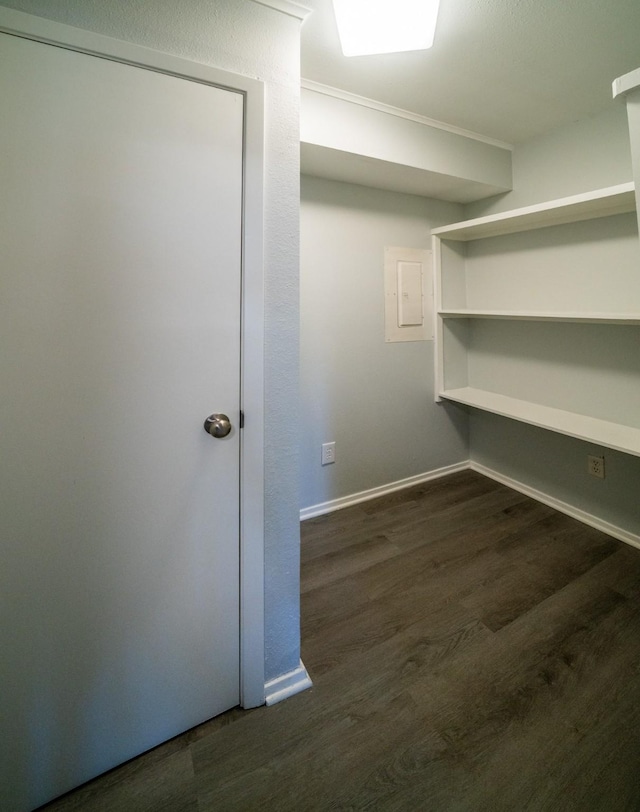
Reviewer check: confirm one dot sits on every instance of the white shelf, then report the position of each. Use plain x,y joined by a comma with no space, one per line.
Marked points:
601,203
627,83
591,429
523,315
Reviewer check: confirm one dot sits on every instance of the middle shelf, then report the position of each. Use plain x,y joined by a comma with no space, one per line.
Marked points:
588,367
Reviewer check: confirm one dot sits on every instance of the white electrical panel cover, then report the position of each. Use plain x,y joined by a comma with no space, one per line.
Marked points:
408,284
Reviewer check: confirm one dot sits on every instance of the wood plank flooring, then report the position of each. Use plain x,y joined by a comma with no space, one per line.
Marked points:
471,651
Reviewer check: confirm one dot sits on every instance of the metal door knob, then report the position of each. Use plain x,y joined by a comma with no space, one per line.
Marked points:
217,425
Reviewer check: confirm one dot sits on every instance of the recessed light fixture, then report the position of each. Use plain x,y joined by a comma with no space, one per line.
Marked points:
385,26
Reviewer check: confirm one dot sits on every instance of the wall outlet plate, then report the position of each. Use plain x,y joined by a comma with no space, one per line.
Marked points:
595,466
328,453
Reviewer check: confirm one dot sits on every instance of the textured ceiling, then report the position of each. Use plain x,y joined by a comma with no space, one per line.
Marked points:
507,69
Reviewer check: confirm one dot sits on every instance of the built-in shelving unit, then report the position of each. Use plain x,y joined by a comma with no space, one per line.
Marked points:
538,316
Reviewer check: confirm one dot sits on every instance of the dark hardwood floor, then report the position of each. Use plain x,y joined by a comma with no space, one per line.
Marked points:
471,651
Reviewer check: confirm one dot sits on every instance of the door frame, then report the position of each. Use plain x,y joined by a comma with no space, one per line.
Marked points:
39,29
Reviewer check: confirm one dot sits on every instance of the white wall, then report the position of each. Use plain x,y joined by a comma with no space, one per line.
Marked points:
255,41
374,399
586,155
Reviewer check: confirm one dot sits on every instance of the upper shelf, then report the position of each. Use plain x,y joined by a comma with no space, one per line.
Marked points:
626,84
587,206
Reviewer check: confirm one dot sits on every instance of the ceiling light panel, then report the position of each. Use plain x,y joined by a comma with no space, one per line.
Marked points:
385,26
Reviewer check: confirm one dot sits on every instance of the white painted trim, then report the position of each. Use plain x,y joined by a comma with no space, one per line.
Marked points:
382,490
563,507
438,335
252,629
362,101
86,42
286,7
575,513
287,685
252,449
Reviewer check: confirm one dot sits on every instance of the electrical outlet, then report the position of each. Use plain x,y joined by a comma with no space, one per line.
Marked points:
595,466
328,453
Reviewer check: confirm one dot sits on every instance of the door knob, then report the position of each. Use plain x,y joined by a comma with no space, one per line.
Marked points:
217,425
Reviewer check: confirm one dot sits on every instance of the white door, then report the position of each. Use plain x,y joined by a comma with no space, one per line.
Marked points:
120,234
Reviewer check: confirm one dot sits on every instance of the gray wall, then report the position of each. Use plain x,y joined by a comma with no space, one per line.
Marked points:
255,41
557,466
374,399
586,155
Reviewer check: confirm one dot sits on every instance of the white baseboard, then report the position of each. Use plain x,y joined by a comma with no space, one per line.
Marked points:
382,490
287,685
575,513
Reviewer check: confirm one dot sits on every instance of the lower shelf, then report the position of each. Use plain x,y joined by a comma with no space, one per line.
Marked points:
591,429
